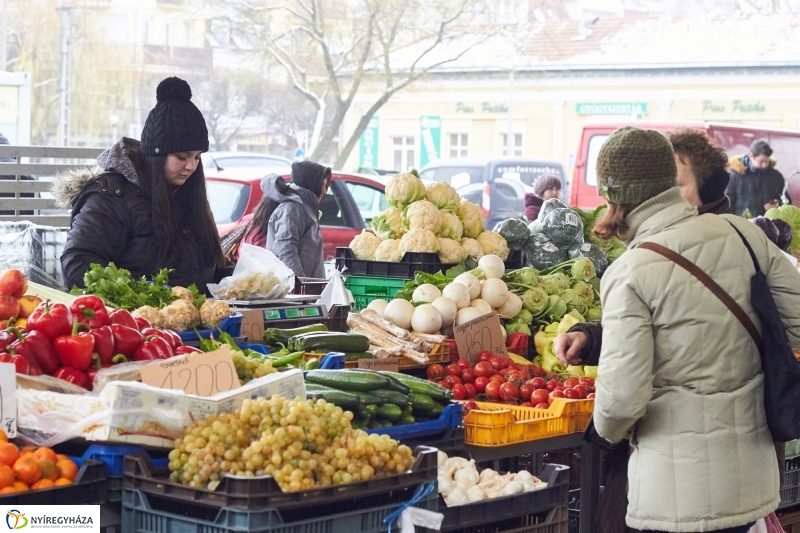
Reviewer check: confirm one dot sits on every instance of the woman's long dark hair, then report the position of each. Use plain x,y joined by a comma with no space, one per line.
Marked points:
257,228
191,197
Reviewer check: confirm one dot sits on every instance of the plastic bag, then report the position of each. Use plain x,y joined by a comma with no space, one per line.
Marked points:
335,293
34,250
258,275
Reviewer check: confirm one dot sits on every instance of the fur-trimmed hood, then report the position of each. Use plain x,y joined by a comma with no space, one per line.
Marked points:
125,157
738,165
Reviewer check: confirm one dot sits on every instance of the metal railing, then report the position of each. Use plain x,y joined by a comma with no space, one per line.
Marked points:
33,180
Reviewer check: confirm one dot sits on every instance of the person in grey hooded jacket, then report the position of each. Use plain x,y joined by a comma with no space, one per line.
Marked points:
286,220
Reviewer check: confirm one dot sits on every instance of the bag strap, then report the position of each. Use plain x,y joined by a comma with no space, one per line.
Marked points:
712,285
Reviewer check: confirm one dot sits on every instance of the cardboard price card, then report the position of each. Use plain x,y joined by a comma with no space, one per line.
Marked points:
389,363
253,325
485,333
203,374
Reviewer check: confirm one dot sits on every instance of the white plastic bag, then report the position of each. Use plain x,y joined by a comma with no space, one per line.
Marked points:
335,293
259,275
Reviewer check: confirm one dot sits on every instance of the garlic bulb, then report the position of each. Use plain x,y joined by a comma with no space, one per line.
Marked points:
475,494
446,485
469,473
457,495
488,473
515,487
441,457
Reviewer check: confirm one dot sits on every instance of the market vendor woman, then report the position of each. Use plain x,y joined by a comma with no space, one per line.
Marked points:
145,207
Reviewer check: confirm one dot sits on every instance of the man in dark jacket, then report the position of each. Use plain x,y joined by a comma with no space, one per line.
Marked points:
756,185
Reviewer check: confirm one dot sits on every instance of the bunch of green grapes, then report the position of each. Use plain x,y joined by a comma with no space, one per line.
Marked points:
302,444
250,368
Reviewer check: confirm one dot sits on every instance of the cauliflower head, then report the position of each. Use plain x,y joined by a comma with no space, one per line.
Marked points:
451,251
471,217
493,243
450,227
389,250
472,247
403,189
364,245
443,196
419,240
389,224
422,215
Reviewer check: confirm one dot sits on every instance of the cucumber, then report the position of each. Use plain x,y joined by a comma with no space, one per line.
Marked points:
421,386
371,409
359,423
389,411
332,342
348,380
355,356
345,400
293,340
406,419
436,412
391,396
282,336
422,403
367,398
397,385
408,409
385,423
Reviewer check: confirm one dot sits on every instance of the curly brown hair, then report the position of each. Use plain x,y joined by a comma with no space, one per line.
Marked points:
703,153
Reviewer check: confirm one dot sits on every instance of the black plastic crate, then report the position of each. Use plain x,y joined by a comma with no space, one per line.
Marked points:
574,511
448,441
89,487
790,485
149,513
462,517
251,493
552,521
411,263
311,286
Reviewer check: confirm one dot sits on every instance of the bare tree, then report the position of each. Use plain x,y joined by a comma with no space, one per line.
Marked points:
331,48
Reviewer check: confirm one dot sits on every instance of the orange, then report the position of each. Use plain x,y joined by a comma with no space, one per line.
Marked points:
60,457
3,436
9,453
67,469
27,469
20,486
42,484
26,451
7,477
45,454
49,470
8,490
62,481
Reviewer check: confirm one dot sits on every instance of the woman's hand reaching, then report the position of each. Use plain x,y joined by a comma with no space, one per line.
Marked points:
568,347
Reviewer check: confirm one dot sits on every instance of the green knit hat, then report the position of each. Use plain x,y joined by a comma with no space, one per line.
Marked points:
635,165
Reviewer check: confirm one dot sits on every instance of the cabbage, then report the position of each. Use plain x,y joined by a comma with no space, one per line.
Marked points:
548,206
784,233
540,253
768,227
389,224
592,252
791,215
563,226
514,231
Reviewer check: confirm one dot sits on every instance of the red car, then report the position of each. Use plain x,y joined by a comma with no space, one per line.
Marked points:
348,207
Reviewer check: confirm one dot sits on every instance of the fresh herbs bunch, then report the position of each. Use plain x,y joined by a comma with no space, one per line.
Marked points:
119,289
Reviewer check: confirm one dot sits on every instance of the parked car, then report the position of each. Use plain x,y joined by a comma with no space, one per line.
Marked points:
734,138
352,201
218,161
499,199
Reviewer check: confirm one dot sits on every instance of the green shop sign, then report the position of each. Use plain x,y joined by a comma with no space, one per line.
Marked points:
431,140
611,108
368,145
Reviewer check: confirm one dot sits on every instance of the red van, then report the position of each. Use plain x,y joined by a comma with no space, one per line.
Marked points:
734,138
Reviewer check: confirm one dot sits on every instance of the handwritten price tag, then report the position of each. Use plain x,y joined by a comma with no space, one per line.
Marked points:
389,363
203,374
253,325
476,336
8,402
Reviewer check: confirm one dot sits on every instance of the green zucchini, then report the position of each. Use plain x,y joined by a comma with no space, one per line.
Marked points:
368,398
371,409
408,409
282,336
375,424
389,411
421,386
391,396
396,385
406,419
332,342
345,400
422,403
293,340
348,380
359,423
436,412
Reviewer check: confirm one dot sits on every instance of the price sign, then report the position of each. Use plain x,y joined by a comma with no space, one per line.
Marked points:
476,336
253,325
8,402
204,374
389,363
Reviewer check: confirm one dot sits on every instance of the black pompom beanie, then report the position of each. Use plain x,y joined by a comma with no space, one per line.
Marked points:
174,124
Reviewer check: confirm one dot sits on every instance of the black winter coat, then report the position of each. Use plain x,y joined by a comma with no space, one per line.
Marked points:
748,190
112,222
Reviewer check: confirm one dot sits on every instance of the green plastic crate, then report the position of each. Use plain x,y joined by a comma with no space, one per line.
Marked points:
366,289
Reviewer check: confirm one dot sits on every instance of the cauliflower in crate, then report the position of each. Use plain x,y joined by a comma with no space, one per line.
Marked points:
471,218
422,215
403,189
450,227
364,245
443,196
450,251
493,243
419,240
389,224
389,250
472,248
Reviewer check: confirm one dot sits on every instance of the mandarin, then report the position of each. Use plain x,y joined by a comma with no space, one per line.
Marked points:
42,484
45,454
67,469
49,470
9,453
27,469
7,476
62,481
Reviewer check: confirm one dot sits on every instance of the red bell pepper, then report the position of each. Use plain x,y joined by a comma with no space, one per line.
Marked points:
6,338
177,342
172,338
90,310
53,320
74,376
75,350
123,318
126,339
103,344
22,365
141,323
154,347
36,348
181,350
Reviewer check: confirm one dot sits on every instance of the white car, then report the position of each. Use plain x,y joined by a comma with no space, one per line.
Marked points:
222,160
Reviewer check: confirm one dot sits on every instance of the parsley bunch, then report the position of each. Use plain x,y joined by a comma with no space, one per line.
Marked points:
119,289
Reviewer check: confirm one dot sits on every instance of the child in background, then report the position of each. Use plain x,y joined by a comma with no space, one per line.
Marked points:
547,186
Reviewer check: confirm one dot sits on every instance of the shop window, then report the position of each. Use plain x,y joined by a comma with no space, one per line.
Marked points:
517,143
403,151
458,144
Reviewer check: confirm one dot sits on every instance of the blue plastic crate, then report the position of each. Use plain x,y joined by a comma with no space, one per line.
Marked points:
260,348
231,325
449,419
113,455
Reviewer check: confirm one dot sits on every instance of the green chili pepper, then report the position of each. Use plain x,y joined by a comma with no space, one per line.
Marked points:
312,364
207,345
287,359
225,338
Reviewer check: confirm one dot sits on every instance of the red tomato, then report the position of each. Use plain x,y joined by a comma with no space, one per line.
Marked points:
551,385
526,390
435,372
471,391
483,369
590,396
526,404
572,394
469,406
453,370
543,405
459,392
497,378
463,363
509,391
536,370
493,390
589,382
552,377
512,365
449,381
498,363
555,394
468,375
485,356
480,383
539,396
538,383
581,390
571,382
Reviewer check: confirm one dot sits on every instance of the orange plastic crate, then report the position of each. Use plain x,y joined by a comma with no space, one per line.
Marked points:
497,424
